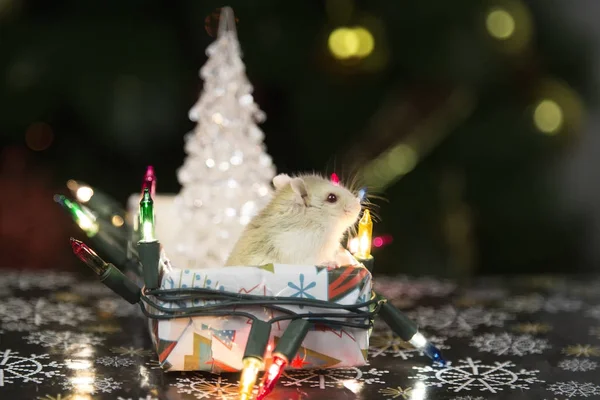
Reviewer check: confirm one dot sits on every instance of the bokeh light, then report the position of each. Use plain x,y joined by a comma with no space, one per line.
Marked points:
345,43
500,23
39,136
117,221
401,159
548,117
557,108
72,185
84,194
510,24
366,42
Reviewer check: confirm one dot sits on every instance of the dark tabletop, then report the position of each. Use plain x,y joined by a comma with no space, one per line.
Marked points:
65,337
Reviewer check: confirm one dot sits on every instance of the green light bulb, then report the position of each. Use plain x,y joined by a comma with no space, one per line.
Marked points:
147,217
82,217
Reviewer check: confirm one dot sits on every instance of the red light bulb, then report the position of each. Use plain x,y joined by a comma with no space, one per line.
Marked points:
149,181
335,179
88,256
272,376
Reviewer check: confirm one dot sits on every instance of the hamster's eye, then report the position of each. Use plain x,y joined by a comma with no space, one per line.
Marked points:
331,198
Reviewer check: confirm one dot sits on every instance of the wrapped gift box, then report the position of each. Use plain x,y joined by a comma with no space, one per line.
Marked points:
217,344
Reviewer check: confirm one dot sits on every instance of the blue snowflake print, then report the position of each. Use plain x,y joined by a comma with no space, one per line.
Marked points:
302,290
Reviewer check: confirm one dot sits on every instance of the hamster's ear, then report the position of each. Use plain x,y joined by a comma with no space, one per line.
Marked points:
299,188
281,180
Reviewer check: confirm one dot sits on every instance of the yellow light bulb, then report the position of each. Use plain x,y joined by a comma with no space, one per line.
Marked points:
249,375
365,234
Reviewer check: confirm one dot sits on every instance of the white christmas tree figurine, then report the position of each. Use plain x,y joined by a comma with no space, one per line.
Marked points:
226,176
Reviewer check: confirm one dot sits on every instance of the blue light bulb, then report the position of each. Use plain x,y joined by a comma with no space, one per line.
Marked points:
434,353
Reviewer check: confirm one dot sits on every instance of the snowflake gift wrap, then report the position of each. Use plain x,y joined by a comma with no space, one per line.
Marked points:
217,344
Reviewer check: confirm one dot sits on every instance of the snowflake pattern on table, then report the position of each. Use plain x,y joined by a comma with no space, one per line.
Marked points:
470,374
582,350
509,344
467,398
328,378
153,364
595,331
302,291
33,368
453,322
578,364
5,291
115,307
384,343
131,351
204,386
103,328
97,385
62,340
412,287
57,397
115,361
532,328
42,312
27,280
396,392
574,389
486,294
535,302
593,312
93,289
19,326
67,297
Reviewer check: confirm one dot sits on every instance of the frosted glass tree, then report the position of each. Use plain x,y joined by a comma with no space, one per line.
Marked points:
226,176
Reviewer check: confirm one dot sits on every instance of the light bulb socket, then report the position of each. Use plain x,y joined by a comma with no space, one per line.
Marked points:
120,284
258,339
292,338
368,262
149,255
399,323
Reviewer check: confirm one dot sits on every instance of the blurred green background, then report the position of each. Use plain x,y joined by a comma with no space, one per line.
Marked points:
471,117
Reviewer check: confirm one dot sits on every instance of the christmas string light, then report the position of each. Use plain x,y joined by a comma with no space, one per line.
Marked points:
285,350
110,275
100,203
150,181
364,241
362,194
408,331
335,179
99,233
220,303
82,217
148,247
258,339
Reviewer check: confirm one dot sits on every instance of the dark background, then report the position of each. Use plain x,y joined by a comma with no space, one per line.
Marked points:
97,90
